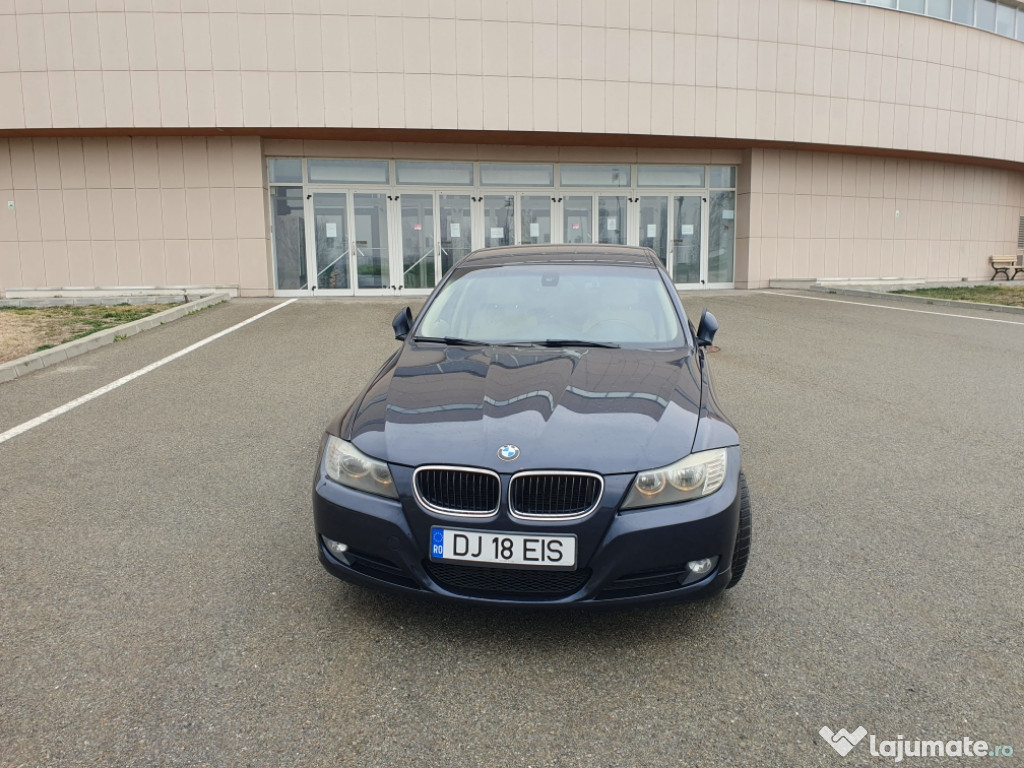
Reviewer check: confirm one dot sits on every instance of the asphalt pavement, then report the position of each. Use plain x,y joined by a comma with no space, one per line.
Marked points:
161,602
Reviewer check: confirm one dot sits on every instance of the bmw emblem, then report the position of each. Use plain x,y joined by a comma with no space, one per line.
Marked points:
508,452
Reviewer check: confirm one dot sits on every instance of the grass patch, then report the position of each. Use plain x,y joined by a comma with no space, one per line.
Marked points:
1006,295
24,330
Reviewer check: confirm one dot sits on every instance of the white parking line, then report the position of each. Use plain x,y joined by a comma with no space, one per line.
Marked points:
896,309
32,424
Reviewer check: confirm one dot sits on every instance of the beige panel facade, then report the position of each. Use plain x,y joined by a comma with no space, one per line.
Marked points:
832,215
773,70
142,211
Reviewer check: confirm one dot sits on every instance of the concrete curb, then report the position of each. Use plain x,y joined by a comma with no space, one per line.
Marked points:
917,299
39,360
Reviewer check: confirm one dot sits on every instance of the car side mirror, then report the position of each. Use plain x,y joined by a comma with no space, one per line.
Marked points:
402,323
707,329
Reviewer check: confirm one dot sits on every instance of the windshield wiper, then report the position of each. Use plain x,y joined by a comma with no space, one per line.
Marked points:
574,343
453,341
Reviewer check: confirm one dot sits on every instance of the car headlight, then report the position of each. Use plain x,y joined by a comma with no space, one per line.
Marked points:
699,474
349,466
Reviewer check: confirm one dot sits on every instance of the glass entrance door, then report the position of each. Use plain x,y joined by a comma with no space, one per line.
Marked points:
611,219
350,240
536,219
653,220
456,236
330,227
676,228
499,220
418,253
578,219
687,215
370,244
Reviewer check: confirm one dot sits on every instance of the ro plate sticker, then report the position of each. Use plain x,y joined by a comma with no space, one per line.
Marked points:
437,542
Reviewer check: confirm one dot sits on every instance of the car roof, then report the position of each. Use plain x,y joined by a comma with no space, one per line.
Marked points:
587,253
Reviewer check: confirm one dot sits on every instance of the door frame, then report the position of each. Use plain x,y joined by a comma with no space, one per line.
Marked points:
674,233
309,212
705,222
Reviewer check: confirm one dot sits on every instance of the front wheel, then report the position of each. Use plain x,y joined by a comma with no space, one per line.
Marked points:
741,551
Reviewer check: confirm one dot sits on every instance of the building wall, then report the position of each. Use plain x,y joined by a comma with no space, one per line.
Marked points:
140,211
97,202
816,214
772,70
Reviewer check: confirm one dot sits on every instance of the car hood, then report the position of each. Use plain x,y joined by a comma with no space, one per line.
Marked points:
605,410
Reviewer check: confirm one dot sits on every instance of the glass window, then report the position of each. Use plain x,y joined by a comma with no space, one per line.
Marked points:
963,12
1020,24
284,170
1004,20
289,222
914,6
516,174
348,171
686,239
940,9
985,17
883,3
450,174
722,237
723,177
595,175
670,176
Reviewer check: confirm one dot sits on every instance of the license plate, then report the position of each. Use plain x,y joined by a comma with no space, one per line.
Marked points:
497,548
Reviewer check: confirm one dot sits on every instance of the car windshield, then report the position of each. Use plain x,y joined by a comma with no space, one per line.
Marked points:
556,305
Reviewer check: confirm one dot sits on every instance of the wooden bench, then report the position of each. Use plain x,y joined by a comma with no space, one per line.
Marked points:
1004,264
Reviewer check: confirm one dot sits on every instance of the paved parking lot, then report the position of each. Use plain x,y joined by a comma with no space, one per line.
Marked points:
161,601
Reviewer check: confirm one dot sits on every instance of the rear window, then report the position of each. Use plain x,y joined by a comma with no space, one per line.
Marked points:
510,304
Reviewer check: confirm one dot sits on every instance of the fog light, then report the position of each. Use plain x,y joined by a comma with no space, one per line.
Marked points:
697,567
698,570
337,549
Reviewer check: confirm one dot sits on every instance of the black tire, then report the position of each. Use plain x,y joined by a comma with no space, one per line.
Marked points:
741,551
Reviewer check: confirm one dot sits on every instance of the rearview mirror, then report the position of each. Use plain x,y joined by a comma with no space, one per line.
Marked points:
707,329
402,323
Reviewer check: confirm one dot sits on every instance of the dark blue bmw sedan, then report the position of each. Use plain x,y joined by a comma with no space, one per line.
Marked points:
546,434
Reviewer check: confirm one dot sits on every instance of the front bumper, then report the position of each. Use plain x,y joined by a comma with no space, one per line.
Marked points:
630,557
